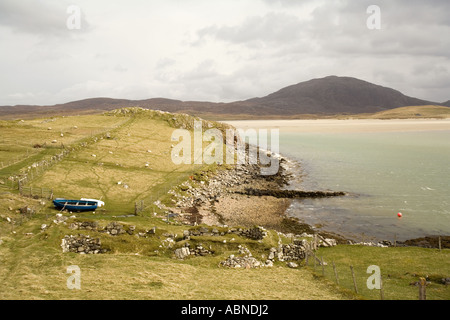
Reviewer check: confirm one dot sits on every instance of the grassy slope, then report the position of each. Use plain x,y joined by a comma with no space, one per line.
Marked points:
34,267
413,112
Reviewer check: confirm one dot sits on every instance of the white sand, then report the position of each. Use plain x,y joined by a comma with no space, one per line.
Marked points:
345,126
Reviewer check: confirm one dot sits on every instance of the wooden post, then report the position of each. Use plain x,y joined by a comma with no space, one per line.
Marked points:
335,274
314,263
306,257
440,247
354,279
422,289
323,266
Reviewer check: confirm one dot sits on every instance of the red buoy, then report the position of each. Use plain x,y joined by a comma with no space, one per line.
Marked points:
399,215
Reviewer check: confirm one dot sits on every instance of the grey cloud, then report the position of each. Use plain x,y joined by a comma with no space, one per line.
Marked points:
44,18
273,28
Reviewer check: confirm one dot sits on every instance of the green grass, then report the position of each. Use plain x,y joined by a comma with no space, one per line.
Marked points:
399,266
34,267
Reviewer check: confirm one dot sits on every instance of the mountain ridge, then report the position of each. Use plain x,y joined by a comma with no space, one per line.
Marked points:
320,96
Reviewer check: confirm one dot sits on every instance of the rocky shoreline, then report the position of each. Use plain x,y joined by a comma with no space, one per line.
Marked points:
241,196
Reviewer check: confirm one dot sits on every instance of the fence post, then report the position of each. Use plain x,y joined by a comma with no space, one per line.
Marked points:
422,289
323,266
335,274
354,279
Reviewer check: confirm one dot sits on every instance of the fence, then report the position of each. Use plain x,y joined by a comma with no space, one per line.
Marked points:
36,192
352,278
161,193
20,180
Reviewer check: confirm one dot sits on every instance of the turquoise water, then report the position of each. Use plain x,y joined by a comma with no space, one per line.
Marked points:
387,173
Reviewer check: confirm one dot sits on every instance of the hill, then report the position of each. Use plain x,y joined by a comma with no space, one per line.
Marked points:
413,112
447,103
325,96
333,95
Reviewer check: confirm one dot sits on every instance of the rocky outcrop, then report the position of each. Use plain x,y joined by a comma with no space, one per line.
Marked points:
82,244
187,251
244,260
85,225
291,193
255,233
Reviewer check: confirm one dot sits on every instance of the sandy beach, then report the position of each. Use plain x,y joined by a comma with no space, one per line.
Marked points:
345,126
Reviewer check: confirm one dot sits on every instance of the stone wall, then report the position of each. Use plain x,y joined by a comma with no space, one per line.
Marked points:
256,233
82,244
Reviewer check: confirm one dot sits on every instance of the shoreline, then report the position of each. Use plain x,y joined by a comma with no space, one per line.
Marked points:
241,197
346,125
223,199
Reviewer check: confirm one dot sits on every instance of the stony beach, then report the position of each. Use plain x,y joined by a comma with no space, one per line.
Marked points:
241,196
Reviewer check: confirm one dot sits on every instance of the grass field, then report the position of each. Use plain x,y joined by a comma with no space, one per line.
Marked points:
136,152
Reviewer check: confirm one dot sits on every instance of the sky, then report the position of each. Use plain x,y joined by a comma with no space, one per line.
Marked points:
56,51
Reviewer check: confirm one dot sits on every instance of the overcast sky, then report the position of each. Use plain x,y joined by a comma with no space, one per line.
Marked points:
216,50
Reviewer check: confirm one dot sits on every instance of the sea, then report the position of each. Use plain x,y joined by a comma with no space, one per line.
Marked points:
385,173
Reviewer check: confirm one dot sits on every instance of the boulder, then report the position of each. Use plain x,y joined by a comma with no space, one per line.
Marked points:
182,253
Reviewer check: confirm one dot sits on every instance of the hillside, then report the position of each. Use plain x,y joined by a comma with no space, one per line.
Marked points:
326,96
124,158
413,112
333,95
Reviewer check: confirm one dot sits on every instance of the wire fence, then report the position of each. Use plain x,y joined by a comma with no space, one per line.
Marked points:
370,282
17,181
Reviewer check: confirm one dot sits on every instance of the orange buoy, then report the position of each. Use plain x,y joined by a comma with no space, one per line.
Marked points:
399,215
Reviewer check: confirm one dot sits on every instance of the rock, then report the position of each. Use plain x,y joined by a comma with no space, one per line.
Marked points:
182,253
241,262
114,228
292,265
43,226
256,233
81,244
59,218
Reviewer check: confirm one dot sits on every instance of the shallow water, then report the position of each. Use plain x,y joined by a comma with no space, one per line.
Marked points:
386,172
